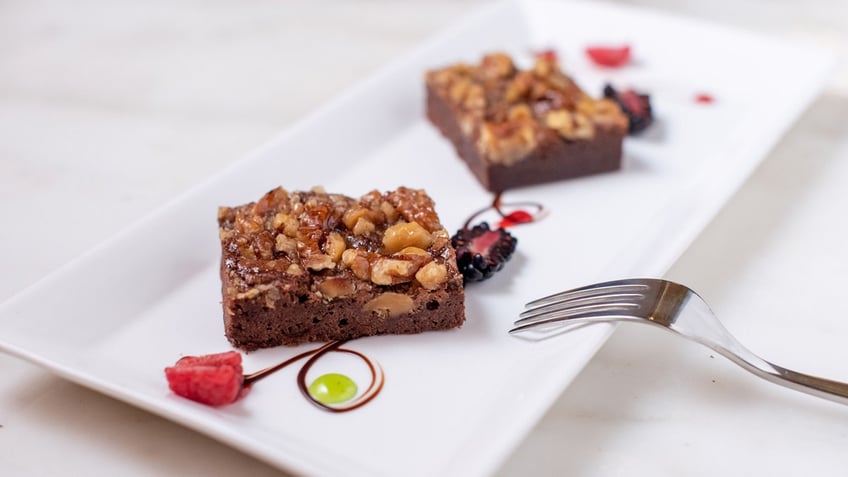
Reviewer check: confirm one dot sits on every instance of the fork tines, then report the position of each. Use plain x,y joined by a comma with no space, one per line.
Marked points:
590,302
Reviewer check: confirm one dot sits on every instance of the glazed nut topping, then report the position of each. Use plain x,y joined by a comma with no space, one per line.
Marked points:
507,143
286,245
357,263
459,90
406,234
475,98
432,275
544,67
415,251
352,216
507,111
391,271
364,227
334,246
497,65
560,120
390,212
319,261
584,128
332,243
570,125
294,270
285,223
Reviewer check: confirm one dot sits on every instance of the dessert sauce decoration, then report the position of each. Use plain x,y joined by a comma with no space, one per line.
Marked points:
704,98
217,379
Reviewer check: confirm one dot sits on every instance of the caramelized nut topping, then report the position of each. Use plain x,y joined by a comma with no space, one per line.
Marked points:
406,234
334,246
286,245
363,227
497,65
413,251
432,275
391,271
506,111
331,240
319,261
357,263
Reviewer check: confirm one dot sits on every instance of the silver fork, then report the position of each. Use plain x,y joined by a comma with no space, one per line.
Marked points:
670,306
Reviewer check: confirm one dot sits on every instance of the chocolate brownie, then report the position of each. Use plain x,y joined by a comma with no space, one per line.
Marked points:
313,266
516,128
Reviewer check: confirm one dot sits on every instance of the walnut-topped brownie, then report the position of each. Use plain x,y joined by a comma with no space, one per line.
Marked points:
517,128
313,266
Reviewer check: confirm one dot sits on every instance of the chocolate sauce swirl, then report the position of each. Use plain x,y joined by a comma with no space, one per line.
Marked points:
374,388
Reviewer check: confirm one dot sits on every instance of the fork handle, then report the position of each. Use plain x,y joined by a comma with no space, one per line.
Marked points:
824,388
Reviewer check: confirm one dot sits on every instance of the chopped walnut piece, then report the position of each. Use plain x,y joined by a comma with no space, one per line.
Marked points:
406,234
475,98
497,65
390,304
506,143
353,215
413,251
432,275
520,112
337,287
544,66
389,211
357,263
286,245
319,261
584,129
459,90
518,87
334,246
391,271
363,227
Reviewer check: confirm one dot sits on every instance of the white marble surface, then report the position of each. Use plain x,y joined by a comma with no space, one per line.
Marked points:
108,109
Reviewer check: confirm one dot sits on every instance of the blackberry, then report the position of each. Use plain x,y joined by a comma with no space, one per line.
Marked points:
636,106
481,251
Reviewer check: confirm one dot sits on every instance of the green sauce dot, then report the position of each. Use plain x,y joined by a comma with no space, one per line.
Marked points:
332,388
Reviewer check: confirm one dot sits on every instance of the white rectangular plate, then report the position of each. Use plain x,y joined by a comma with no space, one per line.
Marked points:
454,402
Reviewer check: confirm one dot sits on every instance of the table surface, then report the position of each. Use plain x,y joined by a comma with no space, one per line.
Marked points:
183,88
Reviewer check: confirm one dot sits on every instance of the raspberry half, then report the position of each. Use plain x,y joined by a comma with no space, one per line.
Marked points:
214,379
481,251
611,57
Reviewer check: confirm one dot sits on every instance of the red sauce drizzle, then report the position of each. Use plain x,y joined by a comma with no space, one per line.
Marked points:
513,217
704,98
